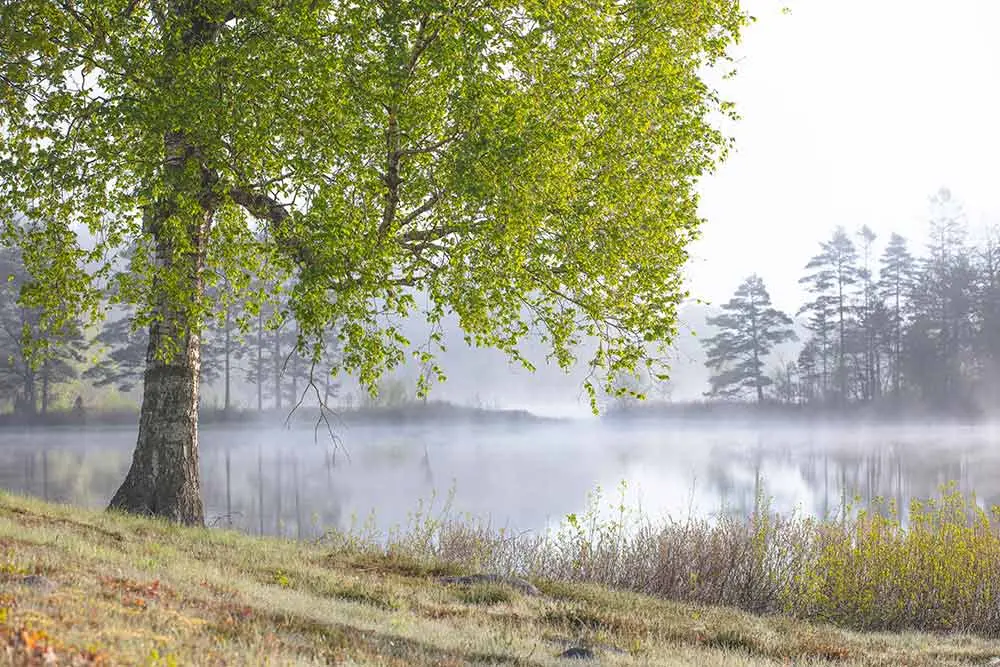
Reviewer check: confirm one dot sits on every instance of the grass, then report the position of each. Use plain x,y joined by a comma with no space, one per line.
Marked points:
134,591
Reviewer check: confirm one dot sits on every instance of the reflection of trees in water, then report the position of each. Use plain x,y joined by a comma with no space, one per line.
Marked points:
738,493
898,471
298,491
839,473
61,475
425,467
286,492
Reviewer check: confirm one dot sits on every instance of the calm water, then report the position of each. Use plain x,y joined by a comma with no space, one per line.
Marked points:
526,477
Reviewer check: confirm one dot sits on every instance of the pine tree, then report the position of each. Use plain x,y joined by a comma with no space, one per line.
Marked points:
943,302
869,313
832,274
749,328
895,288
988,314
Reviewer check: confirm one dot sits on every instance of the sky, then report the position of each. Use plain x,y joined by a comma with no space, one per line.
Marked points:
853,112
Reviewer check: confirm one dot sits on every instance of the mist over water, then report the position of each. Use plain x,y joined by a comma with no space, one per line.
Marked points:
525,477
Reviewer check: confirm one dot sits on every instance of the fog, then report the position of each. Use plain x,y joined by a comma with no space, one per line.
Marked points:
525,477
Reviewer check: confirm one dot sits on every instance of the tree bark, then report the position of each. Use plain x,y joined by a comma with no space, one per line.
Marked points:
164,478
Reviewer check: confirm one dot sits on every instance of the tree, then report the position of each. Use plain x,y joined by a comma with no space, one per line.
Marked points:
61,356
944,296
895,288
833,272
31,371
869,317
988,312
749,330
527,166
17,373
224,342
811,379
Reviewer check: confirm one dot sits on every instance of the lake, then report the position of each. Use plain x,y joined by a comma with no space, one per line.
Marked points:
526,476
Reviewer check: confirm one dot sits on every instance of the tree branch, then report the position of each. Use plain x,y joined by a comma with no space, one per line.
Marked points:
263,207
430,148
428,204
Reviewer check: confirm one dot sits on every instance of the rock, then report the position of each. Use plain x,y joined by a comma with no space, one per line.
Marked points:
38,581
591,646
578,653
521,585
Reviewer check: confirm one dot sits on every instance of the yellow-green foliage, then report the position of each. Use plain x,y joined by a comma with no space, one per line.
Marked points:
938,571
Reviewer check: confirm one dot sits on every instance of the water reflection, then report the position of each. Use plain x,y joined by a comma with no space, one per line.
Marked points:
529,477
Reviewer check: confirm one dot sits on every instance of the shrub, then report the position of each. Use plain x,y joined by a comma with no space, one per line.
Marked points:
867,569
939,572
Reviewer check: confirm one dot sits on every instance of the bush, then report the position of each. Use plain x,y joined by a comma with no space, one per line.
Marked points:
939,572
867,569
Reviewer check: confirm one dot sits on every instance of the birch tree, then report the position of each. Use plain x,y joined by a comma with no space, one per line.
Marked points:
525,166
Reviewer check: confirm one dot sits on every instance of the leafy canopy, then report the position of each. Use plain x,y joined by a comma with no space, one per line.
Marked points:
526,165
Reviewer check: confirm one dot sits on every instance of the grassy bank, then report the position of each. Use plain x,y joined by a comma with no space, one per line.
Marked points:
96,588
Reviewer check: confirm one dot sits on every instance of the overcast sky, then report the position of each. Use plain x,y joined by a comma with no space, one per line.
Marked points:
854,112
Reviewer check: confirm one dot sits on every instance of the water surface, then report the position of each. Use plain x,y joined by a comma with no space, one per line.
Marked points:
526,476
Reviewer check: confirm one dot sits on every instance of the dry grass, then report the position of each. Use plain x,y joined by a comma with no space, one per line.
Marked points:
866,570
141,592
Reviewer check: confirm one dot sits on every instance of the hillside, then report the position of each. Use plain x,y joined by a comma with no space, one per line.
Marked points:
87,588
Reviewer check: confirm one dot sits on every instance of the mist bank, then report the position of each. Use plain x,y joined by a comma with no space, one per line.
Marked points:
890,413
306,415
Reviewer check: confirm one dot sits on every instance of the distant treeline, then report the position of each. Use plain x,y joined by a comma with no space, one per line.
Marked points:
899,332
412,412
241,344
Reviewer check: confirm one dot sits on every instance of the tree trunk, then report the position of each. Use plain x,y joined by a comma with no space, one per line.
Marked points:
228,352
30,399
164,478
277,369
45,387
260,362
295,372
